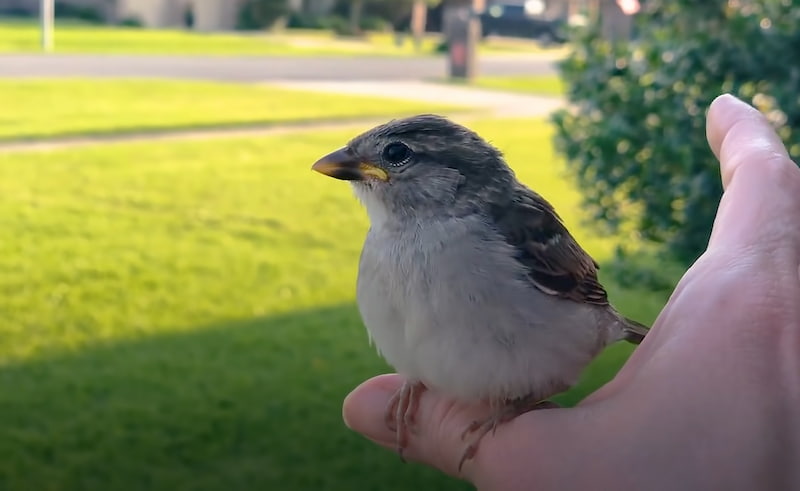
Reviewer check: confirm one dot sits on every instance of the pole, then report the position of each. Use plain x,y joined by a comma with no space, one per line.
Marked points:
419,14
46,14
463,32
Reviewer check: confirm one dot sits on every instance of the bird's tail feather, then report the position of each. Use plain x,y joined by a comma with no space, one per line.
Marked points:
632,331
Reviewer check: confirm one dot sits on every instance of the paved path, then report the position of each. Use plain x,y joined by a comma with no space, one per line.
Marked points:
256,69
496,102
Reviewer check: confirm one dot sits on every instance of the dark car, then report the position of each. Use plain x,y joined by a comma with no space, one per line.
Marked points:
502,19
513,20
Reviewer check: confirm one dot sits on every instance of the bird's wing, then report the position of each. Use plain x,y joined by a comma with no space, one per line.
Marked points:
556,264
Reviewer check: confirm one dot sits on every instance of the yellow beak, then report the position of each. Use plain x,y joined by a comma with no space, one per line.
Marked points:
342,164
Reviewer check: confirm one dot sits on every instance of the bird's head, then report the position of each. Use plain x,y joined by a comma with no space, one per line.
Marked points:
420,166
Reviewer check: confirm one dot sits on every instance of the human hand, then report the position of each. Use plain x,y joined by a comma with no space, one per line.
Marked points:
710,398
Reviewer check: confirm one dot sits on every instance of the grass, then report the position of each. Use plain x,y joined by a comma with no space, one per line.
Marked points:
23,37
181,315
550,85
36,109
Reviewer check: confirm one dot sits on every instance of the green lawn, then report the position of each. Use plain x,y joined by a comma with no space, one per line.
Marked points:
78,38
36,109
550,85
23,37
180,315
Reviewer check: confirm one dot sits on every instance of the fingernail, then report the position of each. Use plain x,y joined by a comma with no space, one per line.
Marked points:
730,99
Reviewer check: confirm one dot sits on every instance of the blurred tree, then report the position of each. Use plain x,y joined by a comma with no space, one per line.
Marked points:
635,132
391,12
261,14
615,22
356,8
419,18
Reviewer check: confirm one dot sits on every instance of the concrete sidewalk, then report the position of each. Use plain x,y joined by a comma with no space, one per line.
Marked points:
495,102
260,68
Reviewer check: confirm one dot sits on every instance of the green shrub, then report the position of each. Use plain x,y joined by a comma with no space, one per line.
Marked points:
261,14
635,134
335,23
376,15
375,23
130,22
302,20
340,26
87,14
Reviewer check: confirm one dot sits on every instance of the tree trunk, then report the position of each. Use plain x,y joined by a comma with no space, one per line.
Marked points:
419,15
356,8
572,8
593,8
462,30
615,24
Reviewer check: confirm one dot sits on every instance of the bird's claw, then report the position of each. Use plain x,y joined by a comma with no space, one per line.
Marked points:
500,415
401,413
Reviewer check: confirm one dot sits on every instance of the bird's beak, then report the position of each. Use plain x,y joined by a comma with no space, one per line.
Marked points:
343,164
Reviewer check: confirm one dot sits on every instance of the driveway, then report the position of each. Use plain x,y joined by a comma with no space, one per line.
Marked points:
257,69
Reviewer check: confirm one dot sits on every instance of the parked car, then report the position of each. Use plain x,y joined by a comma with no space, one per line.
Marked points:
516,20
503,19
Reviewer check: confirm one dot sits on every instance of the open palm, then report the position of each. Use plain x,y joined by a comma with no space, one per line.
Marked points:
708,401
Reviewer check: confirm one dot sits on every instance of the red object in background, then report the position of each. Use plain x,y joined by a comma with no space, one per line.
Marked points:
458,54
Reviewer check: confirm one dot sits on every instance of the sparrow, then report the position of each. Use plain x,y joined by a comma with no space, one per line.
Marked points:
469,283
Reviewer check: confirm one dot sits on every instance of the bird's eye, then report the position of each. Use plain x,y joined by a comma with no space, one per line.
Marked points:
396,154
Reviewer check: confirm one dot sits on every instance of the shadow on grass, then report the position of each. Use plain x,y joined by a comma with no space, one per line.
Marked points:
245,405
240,406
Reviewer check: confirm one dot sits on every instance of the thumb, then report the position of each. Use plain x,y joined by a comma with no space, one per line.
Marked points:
440,422
436,436
762,184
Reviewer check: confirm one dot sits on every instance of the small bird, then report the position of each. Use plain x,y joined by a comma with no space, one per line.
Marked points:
468,282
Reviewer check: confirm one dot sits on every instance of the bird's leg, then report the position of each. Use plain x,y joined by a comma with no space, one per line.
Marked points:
499,415
401,412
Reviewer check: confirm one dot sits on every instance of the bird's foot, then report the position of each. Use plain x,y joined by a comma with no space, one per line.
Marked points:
401,412
500,415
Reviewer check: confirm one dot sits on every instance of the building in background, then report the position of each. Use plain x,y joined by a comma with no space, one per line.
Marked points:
202,15
223,15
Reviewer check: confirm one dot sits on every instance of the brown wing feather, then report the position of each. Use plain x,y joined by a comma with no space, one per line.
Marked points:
556,263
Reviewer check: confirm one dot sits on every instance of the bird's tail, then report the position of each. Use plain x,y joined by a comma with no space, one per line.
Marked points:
632,331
